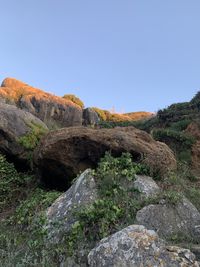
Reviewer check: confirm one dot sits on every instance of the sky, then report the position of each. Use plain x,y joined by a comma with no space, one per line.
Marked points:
126,55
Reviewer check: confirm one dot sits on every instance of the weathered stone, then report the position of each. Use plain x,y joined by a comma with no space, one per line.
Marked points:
61,212
16,123
62,154
54,111
136,246
170,220
90,117
146,185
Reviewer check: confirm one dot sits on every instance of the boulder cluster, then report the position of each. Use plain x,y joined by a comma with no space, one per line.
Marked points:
57,139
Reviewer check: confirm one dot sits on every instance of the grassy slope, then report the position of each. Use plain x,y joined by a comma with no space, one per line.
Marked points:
23,201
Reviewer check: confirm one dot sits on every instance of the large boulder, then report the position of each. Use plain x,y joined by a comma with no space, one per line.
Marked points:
15,124
90,117
136,246
62,154
62,212
181,220
54,111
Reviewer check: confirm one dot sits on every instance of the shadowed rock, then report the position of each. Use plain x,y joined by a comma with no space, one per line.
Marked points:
62,154
14,124
182,219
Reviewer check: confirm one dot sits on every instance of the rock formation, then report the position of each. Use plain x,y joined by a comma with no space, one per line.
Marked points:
52,110
62,154
136,246
171,220
14,125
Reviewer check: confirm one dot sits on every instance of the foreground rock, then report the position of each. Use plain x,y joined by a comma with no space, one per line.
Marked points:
136,246
172,221
146,186
81,193
62,154
54,111
15,124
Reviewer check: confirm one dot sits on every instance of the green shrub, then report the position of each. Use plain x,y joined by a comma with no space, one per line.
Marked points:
117,203
75,100
37,201
31,139
12,184
180,142
180,125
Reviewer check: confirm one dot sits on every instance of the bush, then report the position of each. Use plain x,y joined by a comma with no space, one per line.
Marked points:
116,205
181,143
13,185
75,100
31,139
101,113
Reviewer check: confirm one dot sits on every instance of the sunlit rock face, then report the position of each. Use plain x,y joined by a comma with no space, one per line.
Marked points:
53,110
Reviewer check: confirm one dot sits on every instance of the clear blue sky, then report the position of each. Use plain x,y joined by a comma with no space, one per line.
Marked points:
130,54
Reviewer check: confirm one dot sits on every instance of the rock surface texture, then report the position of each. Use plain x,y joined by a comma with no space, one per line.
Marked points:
52,110
146,186
81,193
16,123
135,246
90,117
62,154
169,221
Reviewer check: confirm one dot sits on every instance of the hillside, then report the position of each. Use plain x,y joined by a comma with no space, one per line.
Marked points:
177,126
56,111
74,193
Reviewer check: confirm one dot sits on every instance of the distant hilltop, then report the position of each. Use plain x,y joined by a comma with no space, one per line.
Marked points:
58,111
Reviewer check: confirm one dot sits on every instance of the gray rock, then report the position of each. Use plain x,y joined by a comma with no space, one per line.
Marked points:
54,111
90,117
172,220
63,153
146,185
15,123
135,246
60,214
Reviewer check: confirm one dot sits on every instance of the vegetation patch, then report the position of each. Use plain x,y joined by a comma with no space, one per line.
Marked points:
14,186
74,99
116,205
31,139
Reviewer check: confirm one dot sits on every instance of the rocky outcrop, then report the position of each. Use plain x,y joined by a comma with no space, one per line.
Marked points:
136,246
90,117
172,220
83,192
62,154
52,110
14,125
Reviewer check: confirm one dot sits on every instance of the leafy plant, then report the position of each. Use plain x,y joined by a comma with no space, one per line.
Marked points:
117,203
12,184
31,139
